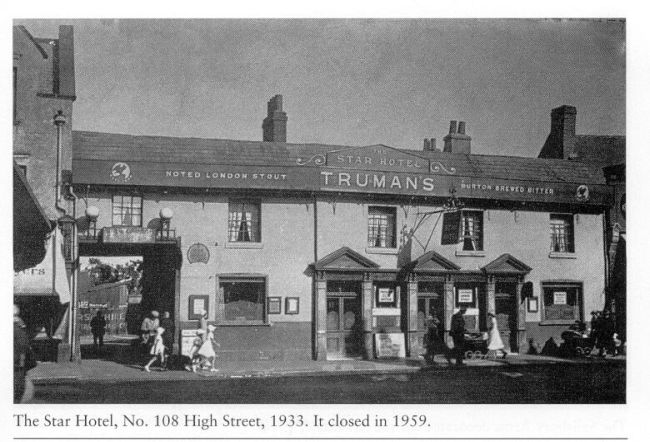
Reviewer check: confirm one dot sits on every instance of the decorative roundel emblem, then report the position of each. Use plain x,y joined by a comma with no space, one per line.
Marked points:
582,193
198,253
121,173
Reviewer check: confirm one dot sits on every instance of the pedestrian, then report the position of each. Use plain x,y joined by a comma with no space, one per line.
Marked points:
98,329
195,358
433,340
157,350
23,357
148,328
207,349
495,344
170,332
457,332
605,340
203,320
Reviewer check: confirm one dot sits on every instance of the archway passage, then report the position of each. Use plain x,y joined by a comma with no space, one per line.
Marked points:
126,304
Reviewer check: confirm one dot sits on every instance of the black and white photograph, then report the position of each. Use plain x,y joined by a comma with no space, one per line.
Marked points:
328,211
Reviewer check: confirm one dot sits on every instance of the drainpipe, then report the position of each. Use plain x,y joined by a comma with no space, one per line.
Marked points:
75,354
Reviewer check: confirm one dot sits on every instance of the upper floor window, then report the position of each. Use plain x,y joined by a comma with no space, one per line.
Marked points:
471,230
127,210
244,221
562,233
382,227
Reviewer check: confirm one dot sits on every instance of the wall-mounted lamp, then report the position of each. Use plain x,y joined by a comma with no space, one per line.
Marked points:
92,213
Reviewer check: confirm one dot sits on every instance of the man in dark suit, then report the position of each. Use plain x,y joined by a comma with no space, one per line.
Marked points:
457,333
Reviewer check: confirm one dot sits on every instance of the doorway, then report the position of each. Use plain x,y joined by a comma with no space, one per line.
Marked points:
152,283
344,328
505,309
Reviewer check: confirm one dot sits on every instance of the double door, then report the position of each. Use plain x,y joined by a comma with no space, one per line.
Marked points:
344,327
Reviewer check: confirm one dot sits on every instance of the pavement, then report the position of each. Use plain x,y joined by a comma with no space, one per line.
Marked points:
99,370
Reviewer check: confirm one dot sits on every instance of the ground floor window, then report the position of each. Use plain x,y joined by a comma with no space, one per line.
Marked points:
241,300
562,301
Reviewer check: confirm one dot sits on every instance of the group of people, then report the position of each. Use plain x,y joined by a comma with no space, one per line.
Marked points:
202,354
157,337
603,333
434,342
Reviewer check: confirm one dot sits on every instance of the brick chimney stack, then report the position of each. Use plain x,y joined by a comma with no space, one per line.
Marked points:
457,141
430,145
563,131
274,126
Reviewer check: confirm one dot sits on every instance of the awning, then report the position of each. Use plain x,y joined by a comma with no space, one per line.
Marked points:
49,278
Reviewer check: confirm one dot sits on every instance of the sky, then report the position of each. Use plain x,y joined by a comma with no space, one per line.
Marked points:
348,82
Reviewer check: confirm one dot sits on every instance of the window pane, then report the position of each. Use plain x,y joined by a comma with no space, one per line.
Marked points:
562,303
382,227
243,301
562,233
127,210
472,230
244,222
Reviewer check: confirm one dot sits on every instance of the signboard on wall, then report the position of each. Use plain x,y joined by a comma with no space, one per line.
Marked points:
386,295
465,296
559,298
390,345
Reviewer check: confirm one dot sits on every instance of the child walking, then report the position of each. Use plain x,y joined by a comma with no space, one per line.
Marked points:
195,358
157,350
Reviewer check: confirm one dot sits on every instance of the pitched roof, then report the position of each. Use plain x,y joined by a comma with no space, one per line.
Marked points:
506,263
116,147
345,259
432,261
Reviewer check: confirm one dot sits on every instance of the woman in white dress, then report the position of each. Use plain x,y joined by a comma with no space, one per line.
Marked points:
157,350
495,344
207,348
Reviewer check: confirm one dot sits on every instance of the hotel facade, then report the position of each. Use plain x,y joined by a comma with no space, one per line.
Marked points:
310,251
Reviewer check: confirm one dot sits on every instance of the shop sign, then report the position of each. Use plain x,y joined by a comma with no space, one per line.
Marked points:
198,253
390,345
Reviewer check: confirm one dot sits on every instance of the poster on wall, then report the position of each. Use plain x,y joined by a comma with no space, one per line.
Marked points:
559,298
386,295
465,296
390,345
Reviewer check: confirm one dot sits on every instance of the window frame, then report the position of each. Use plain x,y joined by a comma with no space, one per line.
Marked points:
243,243
131,196
220,305
569,227
389,247
560,285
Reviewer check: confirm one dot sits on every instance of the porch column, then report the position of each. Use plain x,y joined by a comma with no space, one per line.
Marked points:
412,315
521,315
320,316
490,290
366,316
449,307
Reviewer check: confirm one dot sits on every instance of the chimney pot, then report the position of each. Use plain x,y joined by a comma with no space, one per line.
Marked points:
429,144
452,127
461,127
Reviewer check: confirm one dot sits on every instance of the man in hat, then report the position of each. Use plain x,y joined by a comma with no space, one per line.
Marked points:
457,332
